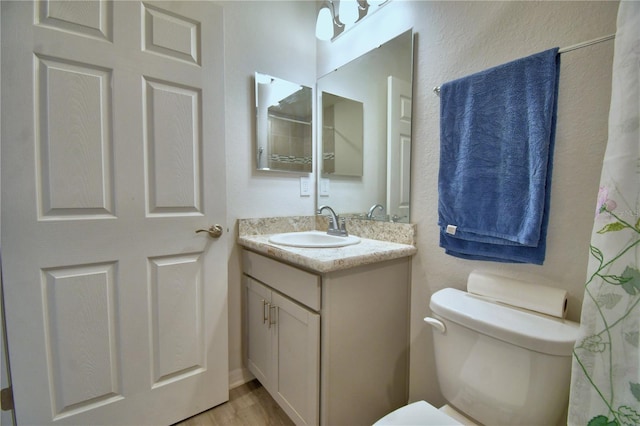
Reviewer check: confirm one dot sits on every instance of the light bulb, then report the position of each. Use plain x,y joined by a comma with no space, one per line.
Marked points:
348,11
324,24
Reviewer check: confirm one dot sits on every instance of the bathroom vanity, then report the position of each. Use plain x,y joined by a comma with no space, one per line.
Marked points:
328,329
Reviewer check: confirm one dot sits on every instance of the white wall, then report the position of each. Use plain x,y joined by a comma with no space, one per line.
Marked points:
275,38
458,38
6,417
453,39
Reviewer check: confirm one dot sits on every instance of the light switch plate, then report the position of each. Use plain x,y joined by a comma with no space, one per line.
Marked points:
324,187
305,186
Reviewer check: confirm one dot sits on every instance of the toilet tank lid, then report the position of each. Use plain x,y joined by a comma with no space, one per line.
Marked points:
527,329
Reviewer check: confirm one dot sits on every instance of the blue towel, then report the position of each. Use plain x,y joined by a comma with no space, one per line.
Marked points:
497,133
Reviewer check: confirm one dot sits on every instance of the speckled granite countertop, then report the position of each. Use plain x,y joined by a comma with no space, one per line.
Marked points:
380,241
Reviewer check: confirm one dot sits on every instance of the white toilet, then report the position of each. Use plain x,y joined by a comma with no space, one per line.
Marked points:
496,365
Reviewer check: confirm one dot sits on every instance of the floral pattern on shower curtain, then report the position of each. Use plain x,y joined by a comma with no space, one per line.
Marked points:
605,386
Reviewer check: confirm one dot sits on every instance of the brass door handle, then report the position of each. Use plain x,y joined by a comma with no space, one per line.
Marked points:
214,231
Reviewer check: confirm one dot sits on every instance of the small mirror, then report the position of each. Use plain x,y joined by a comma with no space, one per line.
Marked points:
283,125
342,138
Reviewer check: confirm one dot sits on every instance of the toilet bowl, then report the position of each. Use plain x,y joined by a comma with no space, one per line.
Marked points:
417,413
422,413
497,364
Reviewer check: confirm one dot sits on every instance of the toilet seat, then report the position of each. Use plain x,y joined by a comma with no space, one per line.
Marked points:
419,413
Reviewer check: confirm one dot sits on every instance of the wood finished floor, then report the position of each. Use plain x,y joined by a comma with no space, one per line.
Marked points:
248,405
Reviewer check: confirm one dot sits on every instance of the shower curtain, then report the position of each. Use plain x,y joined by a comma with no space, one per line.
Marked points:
605,386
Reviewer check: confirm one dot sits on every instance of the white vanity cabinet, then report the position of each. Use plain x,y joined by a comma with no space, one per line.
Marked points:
331,348
284,335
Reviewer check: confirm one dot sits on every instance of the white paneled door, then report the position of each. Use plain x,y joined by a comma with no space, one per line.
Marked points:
112,158
398,148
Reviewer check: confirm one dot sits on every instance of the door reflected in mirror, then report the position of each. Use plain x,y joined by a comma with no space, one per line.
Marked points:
377,185
283,125
342,138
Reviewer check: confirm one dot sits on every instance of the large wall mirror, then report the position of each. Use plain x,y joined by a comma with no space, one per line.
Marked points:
380,82
283,125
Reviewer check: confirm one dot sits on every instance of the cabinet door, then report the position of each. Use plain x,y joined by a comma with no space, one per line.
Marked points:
296,365
259,330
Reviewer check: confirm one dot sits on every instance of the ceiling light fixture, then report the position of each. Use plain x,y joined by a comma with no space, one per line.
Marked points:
336,16
348,12
324,24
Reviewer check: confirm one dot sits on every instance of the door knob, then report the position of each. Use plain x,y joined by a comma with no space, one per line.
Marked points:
214,231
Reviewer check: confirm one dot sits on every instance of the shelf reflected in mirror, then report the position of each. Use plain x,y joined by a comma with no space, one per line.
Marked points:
342,135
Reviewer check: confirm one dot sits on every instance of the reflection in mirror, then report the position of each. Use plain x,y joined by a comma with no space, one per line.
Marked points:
381,80
283,125
342,141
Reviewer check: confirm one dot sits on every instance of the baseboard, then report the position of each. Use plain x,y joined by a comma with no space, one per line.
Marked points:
239,377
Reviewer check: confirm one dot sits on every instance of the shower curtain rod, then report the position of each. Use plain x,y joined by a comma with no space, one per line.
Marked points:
565,50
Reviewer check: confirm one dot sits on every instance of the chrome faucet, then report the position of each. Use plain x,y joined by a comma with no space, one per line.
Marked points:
373,209
337,226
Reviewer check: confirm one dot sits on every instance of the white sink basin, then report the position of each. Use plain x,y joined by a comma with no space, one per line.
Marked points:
317,239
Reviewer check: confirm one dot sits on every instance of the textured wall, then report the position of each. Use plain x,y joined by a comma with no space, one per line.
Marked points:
275,38
458,38
453,39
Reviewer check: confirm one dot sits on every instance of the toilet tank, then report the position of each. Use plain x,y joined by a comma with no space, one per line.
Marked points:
502,365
